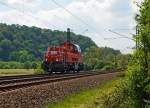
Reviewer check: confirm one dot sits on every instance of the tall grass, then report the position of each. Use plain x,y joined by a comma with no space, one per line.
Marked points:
6,72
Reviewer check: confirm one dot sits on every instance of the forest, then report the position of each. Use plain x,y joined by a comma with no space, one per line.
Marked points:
22,43
23,47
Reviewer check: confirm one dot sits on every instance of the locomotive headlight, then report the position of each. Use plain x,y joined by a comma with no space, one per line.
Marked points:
57,59
46,59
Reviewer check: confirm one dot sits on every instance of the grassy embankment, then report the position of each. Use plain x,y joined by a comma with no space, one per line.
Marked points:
92,98
8,72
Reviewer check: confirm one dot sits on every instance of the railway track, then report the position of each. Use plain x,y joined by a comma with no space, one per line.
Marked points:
16,82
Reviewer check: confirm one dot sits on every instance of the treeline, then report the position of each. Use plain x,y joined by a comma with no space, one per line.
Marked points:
94,59
18,65
23,43
23,47
105,58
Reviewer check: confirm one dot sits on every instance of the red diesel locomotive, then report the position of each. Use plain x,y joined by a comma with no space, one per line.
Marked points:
63,58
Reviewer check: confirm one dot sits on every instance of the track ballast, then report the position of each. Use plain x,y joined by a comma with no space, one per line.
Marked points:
16,82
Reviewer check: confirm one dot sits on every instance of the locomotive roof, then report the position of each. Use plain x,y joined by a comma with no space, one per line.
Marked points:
77,46
70,43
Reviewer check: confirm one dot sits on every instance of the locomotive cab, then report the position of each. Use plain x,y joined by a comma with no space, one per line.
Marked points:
63,58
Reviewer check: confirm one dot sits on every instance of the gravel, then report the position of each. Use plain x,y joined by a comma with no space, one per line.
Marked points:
39,95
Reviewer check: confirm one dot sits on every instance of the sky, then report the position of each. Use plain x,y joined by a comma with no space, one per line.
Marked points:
97,19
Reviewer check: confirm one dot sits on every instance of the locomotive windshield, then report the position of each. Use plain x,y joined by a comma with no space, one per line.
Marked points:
78,47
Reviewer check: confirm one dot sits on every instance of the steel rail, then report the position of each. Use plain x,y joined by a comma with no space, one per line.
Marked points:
32,78
23,78
19,78
25,83
27,76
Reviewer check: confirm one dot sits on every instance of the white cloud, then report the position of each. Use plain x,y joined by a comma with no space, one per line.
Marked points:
15,17
134,4
21,2
24,5
100,15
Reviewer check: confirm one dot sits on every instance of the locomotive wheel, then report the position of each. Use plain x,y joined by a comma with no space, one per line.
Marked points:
50,71
62,72
74,71
76,68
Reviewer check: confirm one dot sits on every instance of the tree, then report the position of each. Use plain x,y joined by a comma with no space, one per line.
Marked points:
100,58
33,41
140,66
5,46
27,65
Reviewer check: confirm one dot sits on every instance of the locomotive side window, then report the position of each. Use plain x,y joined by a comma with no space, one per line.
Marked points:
53,52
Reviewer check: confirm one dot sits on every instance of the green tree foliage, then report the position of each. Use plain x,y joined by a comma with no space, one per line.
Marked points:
22,47
18,65
139,69
22,43
105,58
123,60
138,73
134,90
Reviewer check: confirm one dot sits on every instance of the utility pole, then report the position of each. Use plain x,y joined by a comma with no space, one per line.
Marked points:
137,37
115,61
137,41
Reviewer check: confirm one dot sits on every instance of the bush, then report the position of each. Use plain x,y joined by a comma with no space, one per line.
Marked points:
99,65
119,96
121,74
10,65
107,67
34,65
87,67
38,71
18,65
27,65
